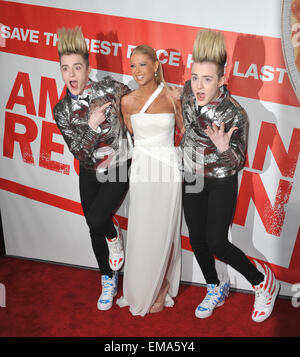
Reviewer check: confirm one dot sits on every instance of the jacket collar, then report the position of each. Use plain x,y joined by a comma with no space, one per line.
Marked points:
83,98
211,106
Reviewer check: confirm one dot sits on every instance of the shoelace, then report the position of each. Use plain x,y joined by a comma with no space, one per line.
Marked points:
211,299
115,247
261,298
107,288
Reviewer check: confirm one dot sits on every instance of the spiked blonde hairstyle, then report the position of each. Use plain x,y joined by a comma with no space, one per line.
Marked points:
71,41
209,46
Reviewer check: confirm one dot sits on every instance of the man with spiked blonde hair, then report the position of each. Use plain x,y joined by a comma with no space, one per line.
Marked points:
215,122
90,121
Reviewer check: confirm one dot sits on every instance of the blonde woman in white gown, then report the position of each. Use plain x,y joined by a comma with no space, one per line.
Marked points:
153,249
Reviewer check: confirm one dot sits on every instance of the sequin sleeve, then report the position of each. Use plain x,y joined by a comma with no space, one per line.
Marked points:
234,157
227,110
80,138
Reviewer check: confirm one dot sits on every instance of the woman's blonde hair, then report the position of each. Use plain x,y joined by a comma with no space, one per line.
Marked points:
159,74
72,41
209,46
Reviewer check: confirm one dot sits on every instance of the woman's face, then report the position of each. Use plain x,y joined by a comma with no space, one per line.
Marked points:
142,68
205,82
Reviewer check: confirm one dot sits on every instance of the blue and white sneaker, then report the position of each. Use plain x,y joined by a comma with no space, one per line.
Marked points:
215,297
109,291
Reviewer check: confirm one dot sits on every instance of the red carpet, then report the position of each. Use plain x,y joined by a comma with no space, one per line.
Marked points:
49,300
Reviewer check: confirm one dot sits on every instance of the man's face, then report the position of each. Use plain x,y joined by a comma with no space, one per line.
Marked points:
205,82
75,72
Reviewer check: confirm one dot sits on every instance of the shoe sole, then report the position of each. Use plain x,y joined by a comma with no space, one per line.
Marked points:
113,268
264,317
120,236
105,308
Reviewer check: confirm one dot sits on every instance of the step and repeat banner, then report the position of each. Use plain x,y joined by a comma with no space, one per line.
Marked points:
40,206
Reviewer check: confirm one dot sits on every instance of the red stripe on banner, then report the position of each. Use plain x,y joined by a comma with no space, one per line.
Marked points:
289,274
41,196
61,202
255,69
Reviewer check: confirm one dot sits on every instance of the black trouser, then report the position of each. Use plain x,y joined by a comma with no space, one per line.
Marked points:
99,202
208,215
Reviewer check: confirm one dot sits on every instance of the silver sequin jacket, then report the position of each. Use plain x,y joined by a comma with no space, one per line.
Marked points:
227,110
71,117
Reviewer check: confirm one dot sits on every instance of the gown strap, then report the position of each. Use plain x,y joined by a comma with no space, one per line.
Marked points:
152,97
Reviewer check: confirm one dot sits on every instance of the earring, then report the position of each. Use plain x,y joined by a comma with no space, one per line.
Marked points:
155,74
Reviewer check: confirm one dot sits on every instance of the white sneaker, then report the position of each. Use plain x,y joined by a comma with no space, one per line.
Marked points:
116,250
265,296
109,291
215,297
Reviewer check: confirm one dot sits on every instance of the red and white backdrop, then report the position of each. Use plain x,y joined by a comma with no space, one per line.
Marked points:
41,213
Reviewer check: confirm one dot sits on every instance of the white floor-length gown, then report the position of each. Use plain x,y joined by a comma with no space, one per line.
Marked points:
153,247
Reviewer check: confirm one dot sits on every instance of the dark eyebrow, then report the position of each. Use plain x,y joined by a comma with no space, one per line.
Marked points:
74,64
205,75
